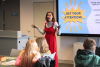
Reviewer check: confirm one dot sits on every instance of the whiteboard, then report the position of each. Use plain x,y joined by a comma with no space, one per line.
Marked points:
40,9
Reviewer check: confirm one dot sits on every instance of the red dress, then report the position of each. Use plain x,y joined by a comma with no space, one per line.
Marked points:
51,40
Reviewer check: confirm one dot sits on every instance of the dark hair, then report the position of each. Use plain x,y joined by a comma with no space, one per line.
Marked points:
53,19
89,44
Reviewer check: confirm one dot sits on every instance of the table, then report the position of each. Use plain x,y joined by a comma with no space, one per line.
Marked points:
10,62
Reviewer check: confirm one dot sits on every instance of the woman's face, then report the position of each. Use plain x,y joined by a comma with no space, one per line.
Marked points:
49,17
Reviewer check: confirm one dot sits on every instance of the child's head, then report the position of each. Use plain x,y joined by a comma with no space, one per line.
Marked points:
90,44
42,44
30,47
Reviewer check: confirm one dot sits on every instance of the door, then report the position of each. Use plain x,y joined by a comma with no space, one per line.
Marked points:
40,9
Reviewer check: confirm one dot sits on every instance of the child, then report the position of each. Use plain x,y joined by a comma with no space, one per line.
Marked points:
29,55
43,46
86,57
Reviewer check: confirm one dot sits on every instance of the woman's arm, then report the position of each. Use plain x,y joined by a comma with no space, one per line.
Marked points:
42,32
57,27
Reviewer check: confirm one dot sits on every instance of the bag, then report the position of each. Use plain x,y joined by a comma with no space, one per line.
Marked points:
47,61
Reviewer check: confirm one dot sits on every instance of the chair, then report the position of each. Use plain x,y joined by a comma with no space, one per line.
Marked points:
15,52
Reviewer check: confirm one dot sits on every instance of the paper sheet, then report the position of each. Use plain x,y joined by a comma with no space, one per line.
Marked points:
11,57
12,62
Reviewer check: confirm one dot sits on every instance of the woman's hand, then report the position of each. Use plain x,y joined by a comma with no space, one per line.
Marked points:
34,26
22,52
58,27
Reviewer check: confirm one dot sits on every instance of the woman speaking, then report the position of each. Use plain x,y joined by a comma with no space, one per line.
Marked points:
51,26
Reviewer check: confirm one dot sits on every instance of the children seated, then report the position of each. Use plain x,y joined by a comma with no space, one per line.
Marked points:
43,46
29,55
85,57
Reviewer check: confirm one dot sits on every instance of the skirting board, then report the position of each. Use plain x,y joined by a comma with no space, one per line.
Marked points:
65,61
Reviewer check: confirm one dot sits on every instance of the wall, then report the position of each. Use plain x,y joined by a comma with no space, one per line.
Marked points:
1,15
12,22
64,43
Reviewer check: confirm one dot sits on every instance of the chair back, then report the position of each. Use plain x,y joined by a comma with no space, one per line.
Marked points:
15,52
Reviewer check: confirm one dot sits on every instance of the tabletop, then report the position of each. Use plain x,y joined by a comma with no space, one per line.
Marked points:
10,61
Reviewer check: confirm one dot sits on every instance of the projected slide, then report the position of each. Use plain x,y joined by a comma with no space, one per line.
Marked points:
79,16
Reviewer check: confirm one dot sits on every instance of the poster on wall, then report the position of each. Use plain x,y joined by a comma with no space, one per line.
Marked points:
79,16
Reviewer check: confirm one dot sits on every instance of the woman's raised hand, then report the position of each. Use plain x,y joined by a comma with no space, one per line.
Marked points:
34,26
59,27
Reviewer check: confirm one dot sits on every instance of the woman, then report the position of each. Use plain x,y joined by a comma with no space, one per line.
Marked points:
43,46
29,55
51,26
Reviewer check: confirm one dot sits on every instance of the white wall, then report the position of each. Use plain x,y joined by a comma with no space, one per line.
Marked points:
65,43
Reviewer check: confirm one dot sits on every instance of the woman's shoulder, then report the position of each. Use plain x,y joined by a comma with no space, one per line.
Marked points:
55,23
